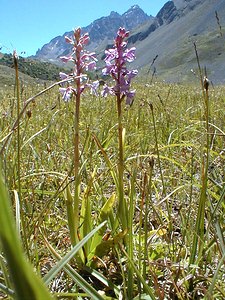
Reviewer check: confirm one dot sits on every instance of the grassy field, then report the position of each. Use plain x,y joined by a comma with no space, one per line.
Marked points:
174,155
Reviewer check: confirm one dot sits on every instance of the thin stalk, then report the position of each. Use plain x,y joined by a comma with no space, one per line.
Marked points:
146,287
189,226
147,201
76,161
76,129
122,274
199,227
157,148
76,204
130,277
122,205
199,67
159,161
15,60
140,248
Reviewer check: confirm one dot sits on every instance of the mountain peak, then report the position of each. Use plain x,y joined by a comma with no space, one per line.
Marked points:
114,14
101,31
168,36
135,9
135,6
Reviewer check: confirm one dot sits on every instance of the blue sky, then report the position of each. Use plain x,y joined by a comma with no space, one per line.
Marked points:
26,25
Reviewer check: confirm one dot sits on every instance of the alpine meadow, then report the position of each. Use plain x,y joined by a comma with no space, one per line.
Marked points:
112,178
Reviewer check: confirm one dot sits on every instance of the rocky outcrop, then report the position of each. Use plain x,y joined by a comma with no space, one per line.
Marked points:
100,31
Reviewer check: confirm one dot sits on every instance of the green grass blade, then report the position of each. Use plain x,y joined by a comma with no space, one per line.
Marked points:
199,226
99,276
85,215
82,283
26,283
70,213
17,202
7,286
58,267
140,277
216,223
211,287
6,290
103,216
108,162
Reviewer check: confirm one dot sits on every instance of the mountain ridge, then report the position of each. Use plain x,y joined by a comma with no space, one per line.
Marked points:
173,42
167,39
101,31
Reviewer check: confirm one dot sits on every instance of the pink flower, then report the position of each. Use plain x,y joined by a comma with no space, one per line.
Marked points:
122,33
67,93
110,54
83,61
90,66
115,60
94,87
84,40
129,54
106,91
68,40
130,97
63,75
65,59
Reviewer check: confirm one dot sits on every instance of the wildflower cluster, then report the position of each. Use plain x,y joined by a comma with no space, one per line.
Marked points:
116,59
83,61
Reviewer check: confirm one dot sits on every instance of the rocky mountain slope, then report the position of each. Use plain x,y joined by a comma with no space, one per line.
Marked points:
101,32
170,36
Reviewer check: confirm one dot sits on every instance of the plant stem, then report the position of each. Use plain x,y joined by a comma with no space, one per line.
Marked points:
122,205
18,125
15,60
76,130
157,150
76,160
199,227
147,208
130,275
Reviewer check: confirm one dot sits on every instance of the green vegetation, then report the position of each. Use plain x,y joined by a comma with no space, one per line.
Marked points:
174,189
33,68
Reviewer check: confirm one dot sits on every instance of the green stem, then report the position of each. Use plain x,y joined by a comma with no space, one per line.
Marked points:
70,214
130,271
76,160
199,227
18,125
147,209
122,205
15,60
158,156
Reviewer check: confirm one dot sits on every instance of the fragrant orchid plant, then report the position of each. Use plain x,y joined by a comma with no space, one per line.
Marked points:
76,83
116,66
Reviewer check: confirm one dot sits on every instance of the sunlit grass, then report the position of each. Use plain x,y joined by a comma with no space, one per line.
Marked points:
162,168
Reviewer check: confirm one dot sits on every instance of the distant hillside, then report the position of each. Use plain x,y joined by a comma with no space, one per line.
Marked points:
33,68
7,77
167,39
170,37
